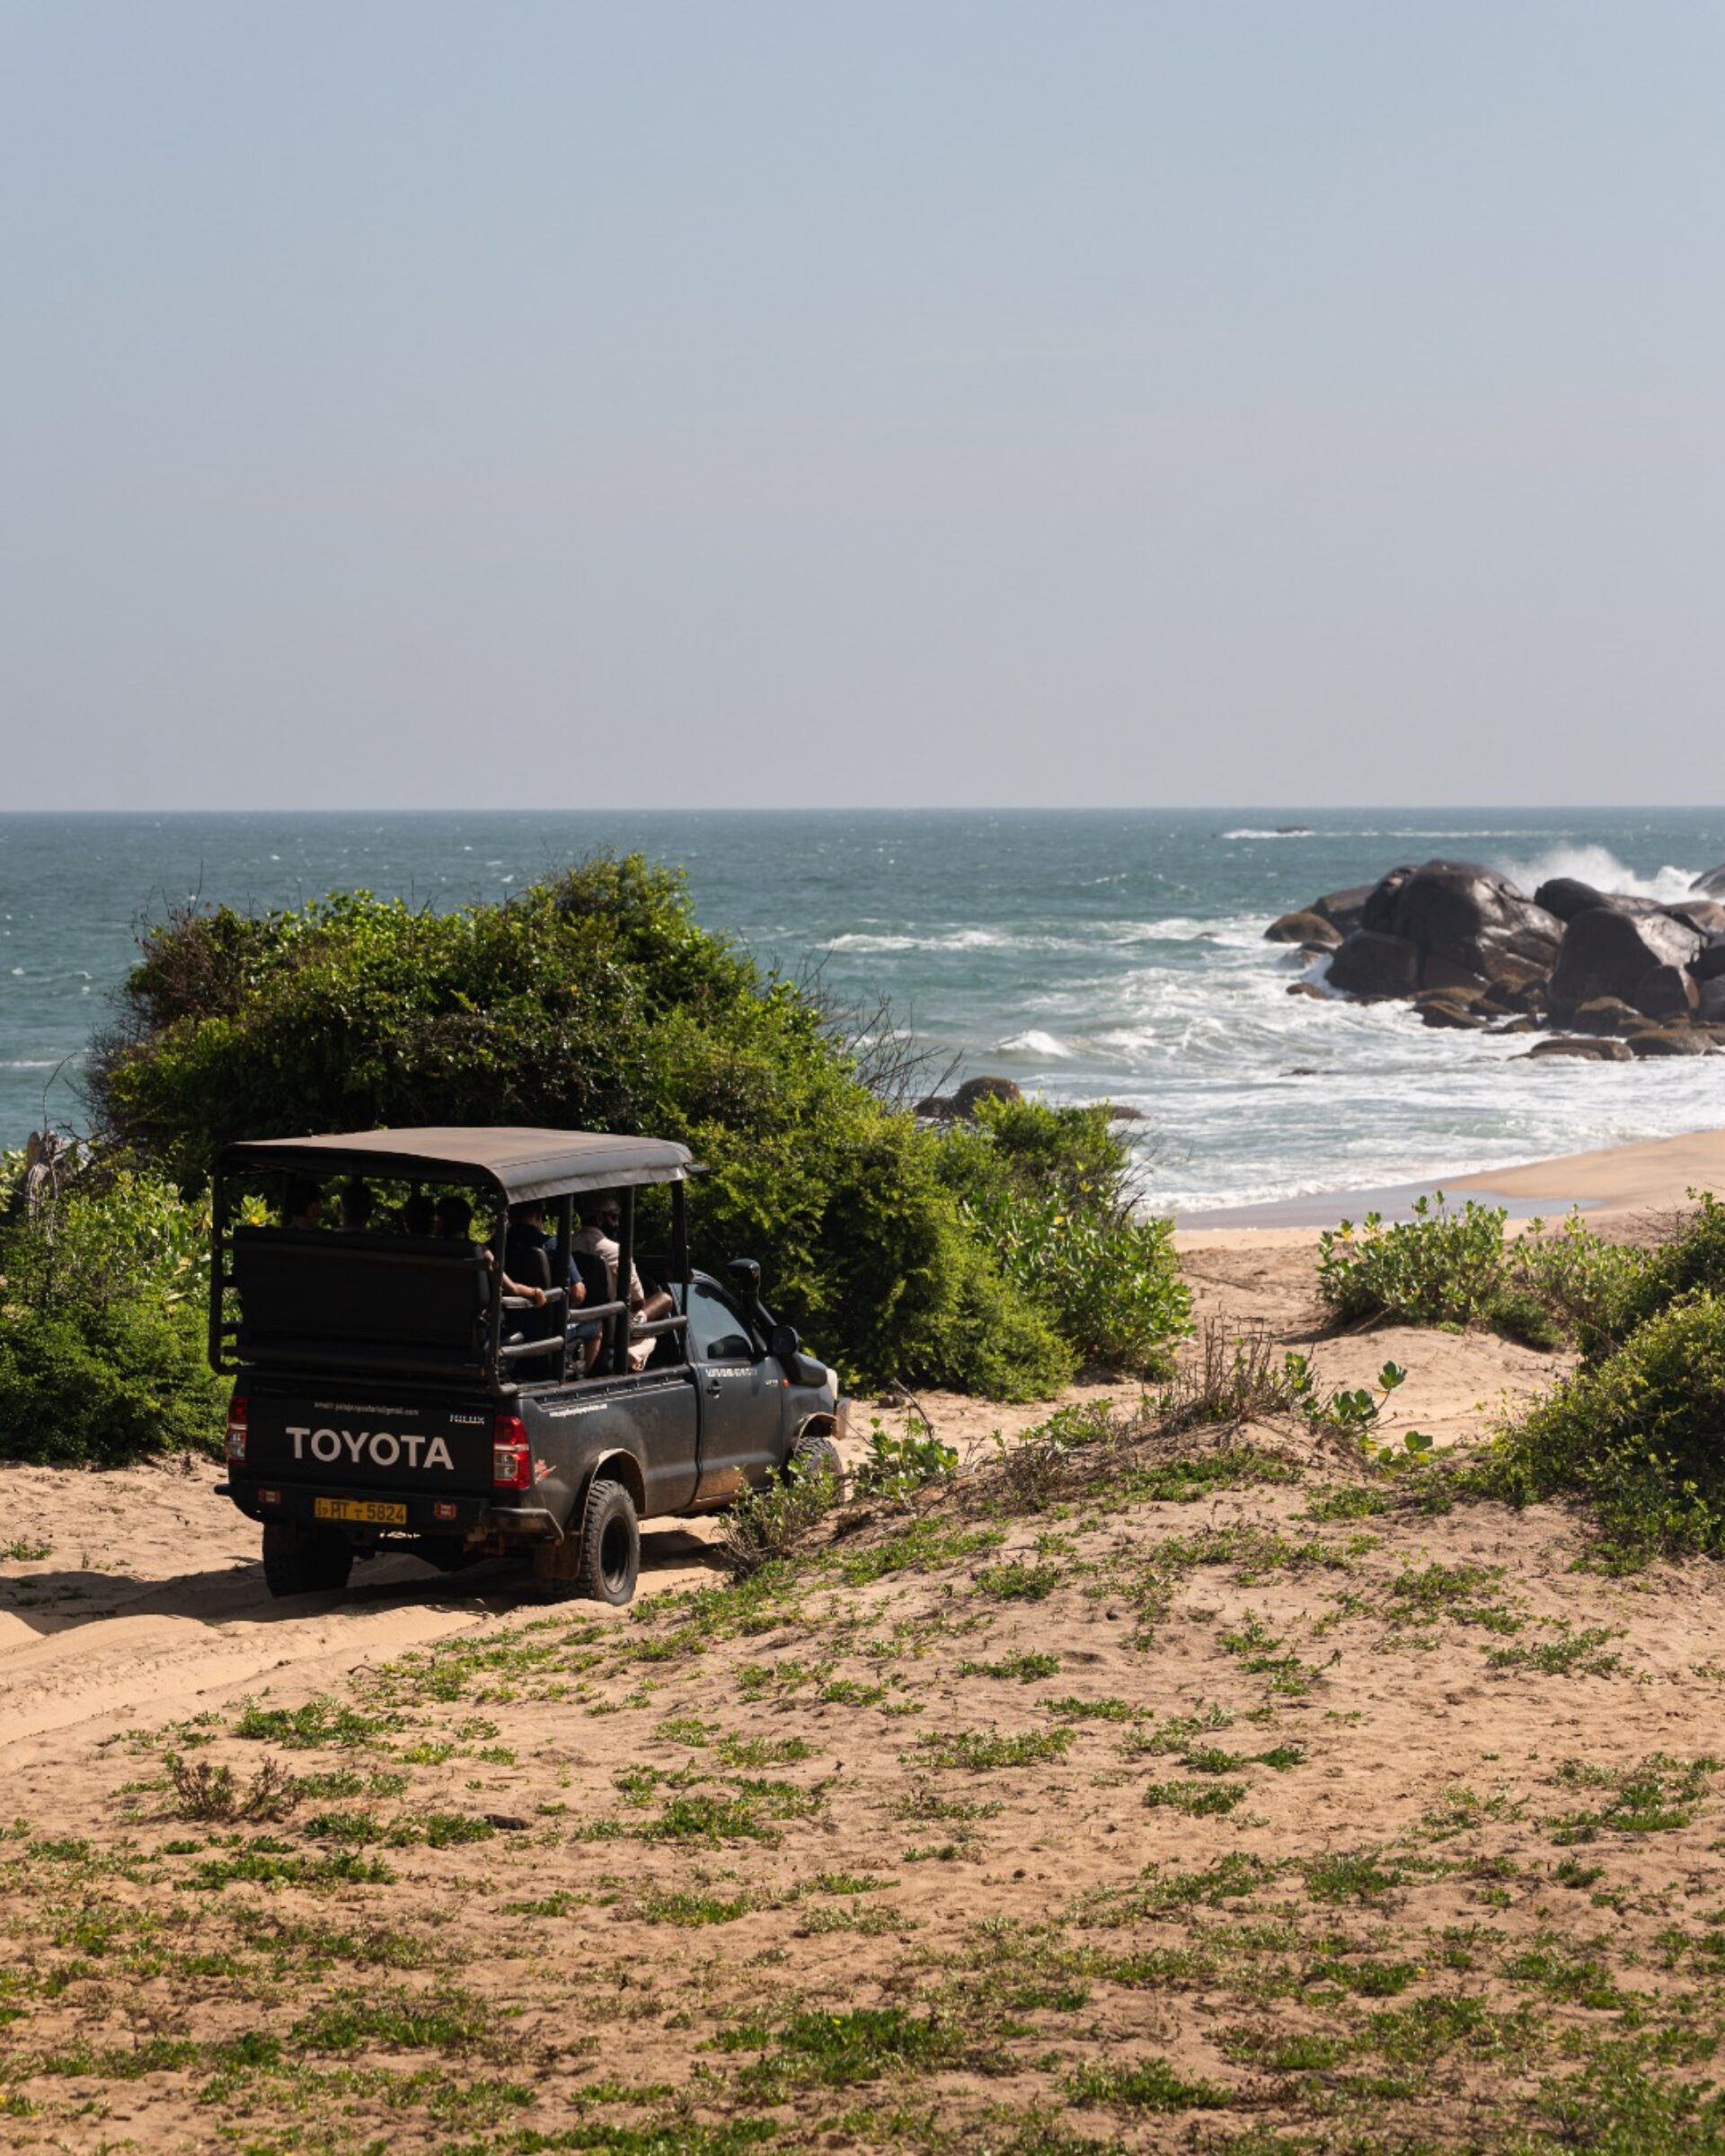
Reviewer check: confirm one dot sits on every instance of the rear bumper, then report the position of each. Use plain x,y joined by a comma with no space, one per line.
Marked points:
467,1518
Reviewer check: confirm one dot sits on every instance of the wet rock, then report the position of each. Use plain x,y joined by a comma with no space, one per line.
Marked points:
1666,1040
1343,910
976,1090
1469,924
1455,1012
1119,1111
1605,952
1711,882
1606,1014
1568,896
937,1108
1370,964
1589,1047
1709,962
1309,928
1309,988
1514,1025
1666,992
1710,1001
1706,916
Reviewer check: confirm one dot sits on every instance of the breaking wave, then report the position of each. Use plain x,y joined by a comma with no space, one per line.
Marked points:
1600,866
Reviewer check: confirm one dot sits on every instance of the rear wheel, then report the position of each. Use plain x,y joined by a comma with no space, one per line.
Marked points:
600,1555
298,1559
610,1544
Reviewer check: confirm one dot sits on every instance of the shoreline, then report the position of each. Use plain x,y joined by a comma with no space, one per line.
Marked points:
1644,1175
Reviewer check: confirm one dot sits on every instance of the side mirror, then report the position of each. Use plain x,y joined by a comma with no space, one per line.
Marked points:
784,1344
746,1278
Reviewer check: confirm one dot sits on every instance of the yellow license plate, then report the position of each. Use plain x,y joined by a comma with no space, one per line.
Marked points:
367,1514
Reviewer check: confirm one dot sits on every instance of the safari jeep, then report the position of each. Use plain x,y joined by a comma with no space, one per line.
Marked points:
391,1393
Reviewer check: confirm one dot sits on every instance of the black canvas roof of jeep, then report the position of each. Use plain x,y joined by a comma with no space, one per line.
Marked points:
524,1163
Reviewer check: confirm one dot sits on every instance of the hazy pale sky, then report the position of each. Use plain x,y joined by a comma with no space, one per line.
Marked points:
893,402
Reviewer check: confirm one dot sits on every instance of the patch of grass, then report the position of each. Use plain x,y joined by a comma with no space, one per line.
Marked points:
1350,1501
1015,1581
1024,1667
1357,1876
1071,1709
392,2019
1198,1800
918,1546
25,1550
319,1723
262,1866
982,1750
764,1751
841,2050
204,1790
1655,1795
1262,1654
1149,2085
1581,1654
689,1910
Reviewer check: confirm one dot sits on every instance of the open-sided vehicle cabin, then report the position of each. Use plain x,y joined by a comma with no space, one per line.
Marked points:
391,1391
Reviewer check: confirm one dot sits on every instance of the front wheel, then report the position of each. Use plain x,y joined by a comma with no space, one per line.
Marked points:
298,1559
814,1458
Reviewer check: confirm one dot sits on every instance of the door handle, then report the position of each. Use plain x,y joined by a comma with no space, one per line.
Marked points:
714,1387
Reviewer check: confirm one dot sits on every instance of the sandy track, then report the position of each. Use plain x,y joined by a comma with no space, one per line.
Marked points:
150,1602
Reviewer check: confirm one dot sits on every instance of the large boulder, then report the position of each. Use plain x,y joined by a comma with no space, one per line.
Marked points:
1605,952
974,1090
1568,896
1706,916
1710,1011
1469,924
1343,909
1590,1048
1667,992
1606,1014
1666,1040
1711,882
1309,927
1709,962
1369,964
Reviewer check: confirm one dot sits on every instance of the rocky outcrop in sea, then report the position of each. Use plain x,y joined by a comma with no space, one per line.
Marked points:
1606,975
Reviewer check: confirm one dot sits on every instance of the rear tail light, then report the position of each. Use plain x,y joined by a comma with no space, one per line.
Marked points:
239,1410
511,1455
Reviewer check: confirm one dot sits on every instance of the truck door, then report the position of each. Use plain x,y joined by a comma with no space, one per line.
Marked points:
742,1397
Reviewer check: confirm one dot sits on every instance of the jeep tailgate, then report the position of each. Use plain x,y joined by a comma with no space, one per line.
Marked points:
431,1448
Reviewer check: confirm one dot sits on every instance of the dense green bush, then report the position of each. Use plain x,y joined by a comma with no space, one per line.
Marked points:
1445,1268
594,1000
1635,1434
1048,1190
101,1321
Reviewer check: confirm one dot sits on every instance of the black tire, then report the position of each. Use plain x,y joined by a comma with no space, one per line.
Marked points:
610,1548
298,1559
814,1454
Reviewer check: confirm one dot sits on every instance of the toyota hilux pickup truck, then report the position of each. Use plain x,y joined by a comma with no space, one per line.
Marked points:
396,1388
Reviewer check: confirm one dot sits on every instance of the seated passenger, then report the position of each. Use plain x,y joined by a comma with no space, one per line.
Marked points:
526,1251
302,1205
453,1221
358,1205
600,1222
418,1216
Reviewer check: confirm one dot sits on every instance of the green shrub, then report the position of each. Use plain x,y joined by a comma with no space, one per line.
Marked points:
1440,1267
594,999
101,1321
1635,1434
1445,1268
1049,1191
897,1467
1647,1282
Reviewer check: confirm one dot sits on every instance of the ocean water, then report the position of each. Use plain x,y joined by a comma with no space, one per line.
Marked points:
1115,954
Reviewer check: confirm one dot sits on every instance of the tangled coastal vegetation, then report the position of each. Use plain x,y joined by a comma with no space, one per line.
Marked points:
997,1253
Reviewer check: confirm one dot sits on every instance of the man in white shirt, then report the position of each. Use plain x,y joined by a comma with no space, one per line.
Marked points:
597,1238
